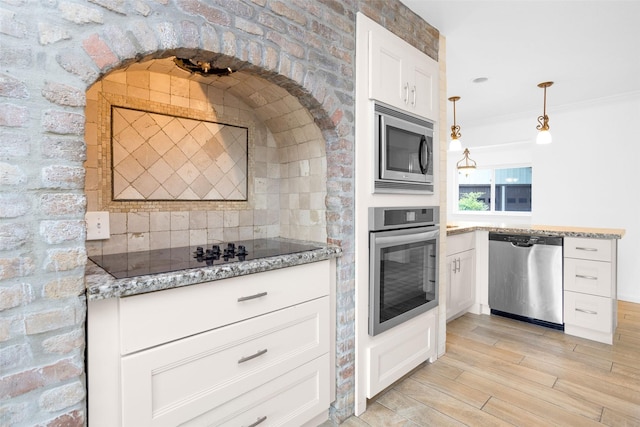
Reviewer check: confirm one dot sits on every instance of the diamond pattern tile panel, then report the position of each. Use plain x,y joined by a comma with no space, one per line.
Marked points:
161,157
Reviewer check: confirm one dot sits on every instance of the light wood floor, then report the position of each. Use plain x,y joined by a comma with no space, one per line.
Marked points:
498,371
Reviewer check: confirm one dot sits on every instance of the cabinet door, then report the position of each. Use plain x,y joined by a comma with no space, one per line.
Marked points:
387,82
423,90
461,283
452,269
410,344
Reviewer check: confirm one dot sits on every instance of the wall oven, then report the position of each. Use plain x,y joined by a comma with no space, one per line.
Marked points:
404,154
403,264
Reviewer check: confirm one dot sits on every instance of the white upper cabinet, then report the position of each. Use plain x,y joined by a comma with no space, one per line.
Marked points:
402,76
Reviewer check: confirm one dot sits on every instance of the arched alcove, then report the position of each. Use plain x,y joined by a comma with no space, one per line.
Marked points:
286,160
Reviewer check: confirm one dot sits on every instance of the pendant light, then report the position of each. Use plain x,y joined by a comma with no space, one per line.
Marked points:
544,136
455,144
466,165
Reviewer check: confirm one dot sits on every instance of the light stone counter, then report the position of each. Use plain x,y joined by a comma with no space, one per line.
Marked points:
101,285
454,228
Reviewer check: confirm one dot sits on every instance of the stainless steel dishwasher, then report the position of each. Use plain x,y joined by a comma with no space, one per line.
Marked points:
525,278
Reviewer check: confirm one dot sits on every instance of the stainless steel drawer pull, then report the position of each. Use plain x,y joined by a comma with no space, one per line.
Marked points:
253,356
582,276
578,248
258,421
582,310
261,294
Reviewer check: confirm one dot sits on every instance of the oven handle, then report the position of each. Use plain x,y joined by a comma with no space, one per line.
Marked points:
406,238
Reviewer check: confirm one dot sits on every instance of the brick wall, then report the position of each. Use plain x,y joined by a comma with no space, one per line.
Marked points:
51,52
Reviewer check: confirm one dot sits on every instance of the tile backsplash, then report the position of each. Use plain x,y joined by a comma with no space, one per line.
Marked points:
162,157
286,162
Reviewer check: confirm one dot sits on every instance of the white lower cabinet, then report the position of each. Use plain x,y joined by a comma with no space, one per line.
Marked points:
167,385
393,354
590,288
271,367
461,274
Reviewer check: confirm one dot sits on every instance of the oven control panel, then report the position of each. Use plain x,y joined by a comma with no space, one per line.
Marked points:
387,218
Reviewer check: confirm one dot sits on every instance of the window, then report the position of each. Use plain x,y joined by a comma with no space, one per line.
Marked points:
495,190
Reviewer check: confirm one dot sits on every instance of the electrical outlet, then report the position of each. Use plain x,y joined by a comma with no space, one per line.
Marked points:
97,225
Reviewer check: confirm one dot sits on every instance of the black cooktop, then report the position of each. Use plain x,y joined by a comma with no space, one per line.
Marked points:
157,261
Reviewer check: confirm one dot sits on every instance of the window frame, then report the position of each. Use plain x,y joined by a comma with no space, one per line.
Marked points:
491,211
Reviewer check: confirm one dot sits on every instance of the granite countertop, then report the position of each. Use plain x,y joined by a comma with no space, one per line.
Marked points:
101,285
454,228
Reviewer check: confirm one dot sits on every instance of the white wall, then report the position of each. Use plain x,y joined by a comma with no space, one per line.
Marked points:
586,177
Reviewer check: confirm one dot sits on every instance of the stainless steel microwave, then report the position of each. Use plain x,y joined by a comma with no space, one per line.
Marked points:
404,153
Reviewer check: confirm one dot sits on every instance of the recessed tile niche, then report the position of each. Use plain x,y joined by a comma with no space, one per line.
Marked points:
274,157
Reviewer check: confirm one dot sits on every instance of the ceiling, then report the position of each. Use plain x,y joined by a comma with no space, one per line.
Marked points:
589,49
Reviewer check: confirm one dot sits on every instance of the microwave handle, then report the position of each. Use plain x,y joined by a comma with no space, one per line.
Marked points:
421,149
383,141
407,238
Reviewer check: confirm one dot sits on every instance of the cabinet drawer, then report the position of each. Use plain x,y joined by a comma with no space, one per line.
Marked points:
593,249
588,311
460,243
292,400
159,317
170,384
588,277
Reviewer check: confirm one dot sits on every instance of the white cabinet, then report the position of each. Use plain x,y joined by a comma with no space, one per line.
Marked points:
392,355
590,288
461,274
402,76
229,352
461,283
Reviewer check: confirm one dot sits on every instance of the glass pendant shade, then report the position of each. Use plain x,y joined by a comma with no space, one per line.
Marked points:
455,145
466,165
466,169
544,137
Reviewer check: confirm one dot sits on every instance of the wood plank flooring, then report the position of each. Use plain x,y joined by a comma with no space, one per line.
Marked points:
501,372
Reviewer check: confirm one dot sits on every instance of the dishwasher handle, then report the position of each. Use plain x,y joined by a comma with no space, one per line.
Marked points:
524,241
522,244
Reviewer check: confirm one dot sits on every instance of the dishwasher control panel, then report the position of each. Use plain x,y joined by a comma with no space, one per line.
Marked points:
526,240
